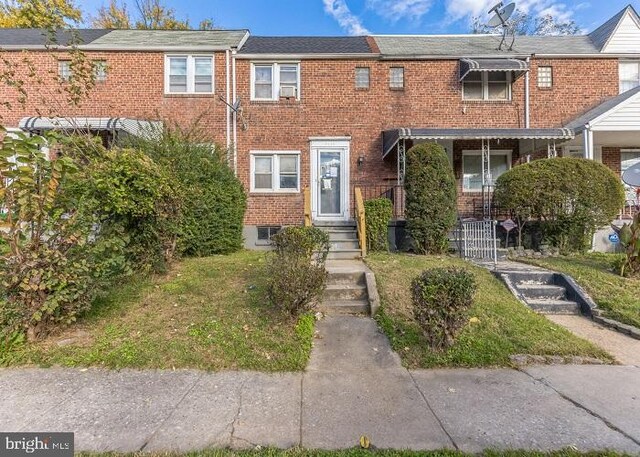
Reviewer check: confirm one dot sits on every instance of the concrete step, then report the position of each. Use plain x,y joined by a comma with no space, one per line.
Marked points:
531,277
336,235
344,243
343,254
334,224
349,279
340,292
554,306
345,307
542,291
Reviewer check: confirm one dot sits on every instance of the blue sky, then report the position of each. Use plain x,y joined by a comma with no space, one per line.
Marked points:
349,17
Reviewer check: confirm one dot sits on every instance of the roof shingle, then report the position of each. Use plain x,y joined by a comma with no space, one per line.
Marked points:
306,45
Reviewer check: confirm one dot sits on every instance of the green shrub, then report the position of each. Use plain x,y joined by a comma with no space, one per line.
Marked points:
441,300
57,257
213,199
570,197
430,197
295,269
378,213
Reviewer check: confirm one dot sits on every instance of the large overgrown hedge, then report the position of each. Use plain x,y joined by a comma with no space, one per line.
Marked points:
213,199
378,213
570,197
430,197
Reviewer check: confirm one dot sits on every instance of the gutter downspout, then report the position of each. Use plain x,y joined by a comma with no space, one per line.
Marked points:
527,106
228,77
235,112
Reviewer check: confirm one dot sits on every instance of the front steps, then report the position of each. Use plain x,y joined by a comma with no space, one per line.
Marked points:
347,291
543,292
344,240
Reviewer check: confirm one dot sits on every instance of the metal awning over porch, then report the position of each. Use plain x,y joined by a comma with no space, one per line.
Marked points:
134,127
516,66
391,138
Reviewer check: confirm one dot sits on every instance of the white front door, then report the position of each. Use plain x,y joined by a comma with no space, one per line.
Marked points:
330,191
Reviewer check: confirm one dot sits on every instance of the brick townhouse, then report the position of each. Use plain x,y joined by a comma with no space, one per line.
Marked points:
320,116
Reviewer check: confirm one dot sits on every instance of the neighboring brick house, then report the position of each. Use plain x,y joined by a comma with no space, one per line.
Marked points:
333,113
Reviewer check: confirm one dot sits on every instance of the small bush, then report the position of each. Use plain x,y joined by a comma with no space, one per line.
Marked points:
378,213
441,300
430,198
295,269
571,198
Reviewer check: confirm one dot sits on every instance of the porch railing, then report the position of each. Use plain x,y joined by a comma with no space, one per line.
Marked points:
393,192
630,209
478,240
360,220
307,207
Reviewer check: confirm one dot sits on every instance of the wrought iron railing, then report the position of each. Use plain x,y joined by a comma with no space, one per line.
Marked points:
630,209
393,192
478,240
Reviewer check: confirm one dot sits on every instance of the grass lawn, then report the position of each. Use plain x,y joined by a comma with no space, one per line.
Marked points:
618,297
206,313
505,327
361,453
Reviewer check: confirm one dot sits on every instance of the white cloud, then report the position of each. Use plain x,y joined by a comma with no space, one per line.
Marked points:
394,10
460,9
339,10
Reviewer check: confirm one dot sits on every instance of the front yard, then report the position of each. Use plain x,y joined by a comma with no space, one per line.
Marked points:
618,297
503,326
206,313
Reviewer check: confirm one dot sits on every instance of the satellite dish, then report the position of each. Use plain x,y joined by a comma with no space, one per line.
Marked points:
501,14
631,177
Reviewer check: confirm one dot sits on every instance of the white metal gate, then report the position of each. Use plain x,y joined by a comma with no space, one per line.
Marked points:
479,241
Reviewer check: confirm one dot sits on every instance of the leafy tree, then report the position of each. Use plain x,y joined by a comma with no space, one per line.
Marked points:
149,15
525,23
46,14
430,197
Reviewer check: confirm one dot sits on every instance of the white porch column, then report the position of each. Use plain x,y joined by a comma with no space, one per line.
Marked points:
588,144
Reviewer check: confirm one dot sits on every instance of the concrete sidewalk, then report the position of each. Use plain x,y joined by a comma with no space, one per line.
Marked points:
354,385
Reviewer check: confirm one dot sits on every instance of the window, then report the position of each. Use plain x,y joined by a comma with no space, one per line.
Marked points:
271,81
363,75
396,78
545,77
187,74
472,168
489,85
100,70
629,75
64,69
275,171
265,233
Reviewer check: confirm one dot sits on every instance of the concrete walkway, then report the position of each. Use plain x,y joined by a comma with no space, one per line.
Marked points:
354,385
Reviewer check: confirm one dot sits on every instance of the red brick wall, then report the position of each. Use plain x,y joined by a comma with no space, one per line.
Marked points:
134,88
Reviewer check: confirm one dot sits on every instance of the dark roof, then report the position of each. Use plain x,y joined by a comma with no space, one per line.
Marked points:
43,37
579,123
306,45
391,137
601,35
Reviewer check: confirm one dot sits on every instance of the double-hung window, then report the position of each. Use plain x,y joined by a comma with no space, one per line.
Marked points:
487,85
275,171
188,74
275,80
472,168
629,75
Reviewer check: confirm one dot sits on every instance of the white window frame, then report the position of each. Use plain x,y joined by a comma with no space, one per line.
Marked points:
634,81
191,73
275,171
275,79
494,152
545,81
485,89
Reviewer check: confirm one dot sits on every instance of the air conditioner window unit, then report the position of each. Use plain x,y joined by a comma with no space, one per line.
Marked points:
288,91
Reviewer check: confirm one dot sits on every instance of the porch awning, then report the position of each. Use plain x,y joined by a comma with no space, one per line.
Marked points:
134,127
475,65
390,138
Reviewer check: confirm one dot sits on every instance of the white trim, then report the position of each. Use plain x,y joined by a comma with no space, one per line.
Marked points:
275,78
275,171
633,17
191,73
474,152
485,88
331,144
613,110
